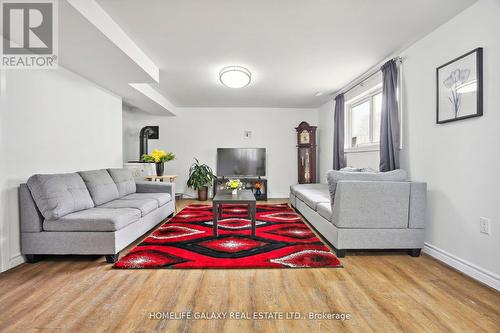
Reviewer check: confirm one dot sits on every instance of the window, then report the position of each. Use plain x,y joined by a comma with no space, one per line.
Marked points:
377,112
363,121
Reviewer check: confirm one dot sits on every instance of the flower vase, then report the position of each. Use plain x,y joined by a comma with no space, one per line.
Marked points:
160,168
258,192
234,192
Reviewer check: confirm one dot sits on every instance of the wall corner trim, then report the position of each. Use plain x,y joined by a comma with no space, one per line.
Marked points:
16,260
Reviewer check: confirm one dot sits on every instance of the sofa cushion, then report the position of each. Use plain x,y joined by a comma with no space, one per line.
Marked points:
94,219
312,196
161,198
325,210
59,194
124,180
371,205
146,206
101,186
334,176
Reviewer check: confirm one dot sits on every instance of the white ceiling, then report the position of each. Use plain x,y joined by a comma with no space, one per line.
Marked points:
294,48
85,50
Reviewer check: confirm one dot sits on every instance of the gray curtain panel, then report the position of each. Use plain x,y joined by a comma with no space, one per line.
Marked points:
389,123
338,134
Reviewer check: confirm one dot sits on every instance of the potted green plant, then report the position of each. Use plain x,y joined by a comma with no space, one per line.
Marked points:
200,176
159,157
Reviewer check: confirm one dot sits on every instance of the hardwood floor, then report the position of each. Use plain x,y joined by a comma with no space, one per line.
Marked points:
382,292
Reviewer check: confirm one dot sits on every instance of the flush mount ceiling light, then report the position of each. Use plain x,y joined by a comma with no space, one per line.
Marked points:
235,76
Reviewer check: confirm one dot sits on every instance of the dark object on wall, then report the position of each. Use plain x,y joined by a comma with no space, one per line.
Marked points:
146,133
306,153
390,137
459,88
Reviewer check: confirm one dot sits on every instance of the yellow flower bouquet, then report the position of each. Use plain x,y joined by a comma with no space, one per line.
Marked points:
159,157
234,185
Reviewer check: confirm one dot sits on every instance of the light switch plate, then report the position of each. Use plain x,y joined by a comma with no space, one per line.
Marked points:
484,225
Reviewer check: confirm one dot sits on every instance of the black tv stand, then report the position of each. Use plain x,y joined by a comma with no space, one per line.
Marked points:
248,183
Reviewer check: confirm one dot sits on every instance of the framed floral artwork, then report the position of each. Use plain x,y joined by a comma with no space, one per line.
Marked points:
460,88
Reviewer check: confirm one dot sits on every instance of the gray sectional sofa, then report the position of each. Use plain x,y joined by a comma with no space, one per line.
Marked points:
365,210
97,212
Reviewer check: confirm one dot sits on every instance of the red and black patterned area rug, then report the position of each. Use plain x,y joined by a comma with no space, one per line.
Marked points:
282,240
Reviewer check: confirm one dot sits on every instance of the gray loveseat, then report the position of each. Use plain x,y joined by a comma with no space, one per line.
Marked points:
363,210
97,212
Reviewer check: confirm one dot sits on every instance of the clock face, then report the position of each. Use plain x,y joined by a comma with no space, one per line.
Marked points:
304,137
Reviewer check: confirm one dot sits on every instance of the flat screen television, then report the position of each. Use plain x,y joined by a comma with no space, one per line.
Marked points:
241,162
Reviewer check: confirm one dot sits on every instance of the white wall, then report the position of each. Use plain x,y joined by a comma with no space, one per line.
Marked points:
363,159
325,139
51,121
197,132
459,160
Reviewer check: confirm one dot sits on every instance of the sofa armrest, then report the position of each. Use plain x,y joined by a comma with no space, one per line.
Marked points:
155,187
371,204
31,218
418,204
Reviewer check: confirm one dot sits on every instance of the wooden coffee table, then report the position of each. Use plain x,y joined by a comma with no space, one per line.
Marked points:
245,197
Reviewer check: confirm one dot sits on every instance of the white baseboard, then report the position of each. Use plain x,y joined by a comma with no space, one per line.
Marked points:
463,266
16,260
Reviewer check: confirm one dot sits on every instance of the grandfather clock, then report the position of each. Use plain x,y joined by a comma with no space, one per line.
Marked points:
306,153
